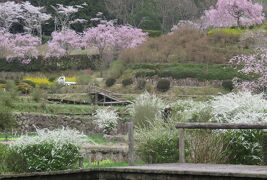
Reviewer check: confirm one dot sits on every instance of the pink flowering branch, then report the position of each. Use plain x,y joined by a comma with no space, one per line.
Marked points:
254,65
230,13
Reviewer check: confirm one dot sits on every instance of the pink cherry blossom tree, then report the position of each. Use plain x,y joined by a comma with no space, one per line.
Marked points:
63,43
23,47
5,45
231,13
109,38
254,65
129,37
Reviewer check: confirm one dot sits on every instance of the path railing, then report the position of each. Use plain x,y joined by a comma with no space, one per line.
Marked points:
182,126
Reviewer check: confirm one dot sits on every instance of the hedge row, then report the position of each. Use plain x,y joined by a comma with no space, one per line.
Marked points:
74,62
181,71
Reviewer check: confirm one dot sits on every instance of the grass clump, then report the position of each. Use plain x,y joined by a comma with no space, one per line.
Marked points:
146,108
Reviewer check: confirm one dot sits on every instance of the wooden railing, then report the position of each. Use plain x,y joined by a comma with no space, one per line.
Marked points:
181,127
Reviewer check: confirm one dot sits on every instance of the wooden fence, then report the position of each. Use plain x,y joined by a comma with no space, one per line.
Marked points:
183,126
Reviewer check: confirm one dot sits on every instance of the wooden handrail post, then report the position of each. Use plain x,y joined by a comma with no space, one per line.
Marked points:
181,145
130,143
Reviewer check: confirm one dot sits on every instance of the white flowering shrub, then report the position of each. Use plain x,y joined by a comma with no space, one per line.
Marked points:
48,150
146,108
106,119
192,111
241,107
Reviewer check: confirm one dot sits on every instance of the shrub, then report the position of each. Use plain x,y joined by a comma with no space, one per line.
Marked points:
39,81
84,79
29,82
116,70
2,81
106,119
3,156
110,82
181,71
24,88
141,84
194,46
157,144
6,99
12,89
242,107
145,109
244,146
264,144
163,85
225,35
49,150
52,79
228,85
37,94
127,82
7,120
15,162
192,111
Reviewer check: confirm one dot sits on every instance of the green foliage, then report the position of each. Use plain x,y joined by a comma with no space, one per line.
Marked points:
6,99
264,144
116,70
153,33
181,71
74,62
52,79
39,157
3,156
15,162
7,120
12,89
110,82
141,84
228,85
127,82
157,144
31,83
2,81
37,94
226,31
244,146
163,85
84,79
24,88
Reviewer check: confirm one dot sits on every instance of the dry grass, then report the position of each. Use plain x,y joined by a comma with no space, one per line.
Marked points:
184,45
206,147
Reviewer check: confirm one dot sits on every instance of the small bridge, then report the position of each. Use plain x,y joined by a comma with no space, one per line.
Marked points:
104,97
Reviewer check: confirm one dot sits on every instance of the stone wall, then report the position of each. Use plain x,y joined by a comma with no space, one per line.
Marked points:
116,153
27,123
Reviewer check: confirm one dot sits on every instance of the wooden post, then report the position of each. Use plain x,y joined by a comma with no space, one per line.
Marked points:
130,143
181,146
